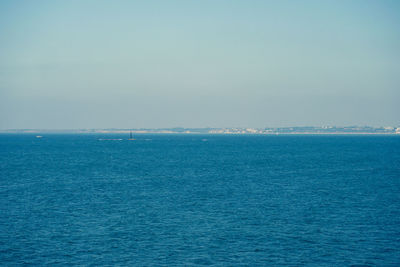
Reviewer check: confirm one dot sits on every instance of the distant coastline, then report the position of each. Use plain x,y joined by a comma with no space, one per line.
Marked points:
325,130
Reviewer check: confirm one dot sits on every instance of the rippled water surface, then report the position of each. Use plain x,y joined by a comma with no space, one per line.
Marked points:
200,200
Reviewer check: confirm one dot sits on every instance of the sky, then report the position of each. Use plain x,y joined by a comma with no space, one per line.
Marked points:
227,63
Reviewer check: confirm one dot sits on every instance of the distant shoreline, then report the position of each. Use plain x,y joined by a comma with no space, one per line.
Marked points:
354,130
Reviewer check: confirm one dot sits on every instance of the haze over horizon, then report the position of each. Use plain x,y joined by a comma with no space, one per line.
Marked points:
159,64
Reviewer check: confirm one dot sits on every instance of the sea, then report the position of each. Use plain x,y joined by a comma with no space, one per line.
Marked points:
194,200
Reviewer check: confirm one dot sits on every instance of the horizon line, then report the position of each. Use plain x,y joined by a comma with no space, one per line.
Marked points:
183,127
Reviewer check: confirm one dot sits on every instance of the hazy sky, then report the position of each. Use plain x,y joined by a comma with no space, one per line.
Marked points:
133,64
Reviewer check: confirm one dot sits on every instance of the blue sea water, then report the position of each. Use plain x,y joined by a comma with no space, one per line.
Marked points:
166,200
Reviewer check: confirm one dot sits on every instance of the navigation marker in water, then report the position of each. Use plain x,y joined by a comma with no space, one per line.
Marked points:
130,137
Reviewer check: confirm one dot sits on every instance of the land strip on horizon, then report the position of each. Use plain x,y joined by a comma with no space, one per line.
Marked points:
234,130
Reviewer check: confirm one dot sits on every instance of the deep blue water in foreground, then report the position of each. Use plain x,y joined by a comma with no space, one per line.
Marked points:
200,200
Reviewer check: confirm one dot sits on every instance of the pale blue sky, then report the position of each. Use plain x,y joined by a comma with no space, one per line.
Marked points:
131,64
